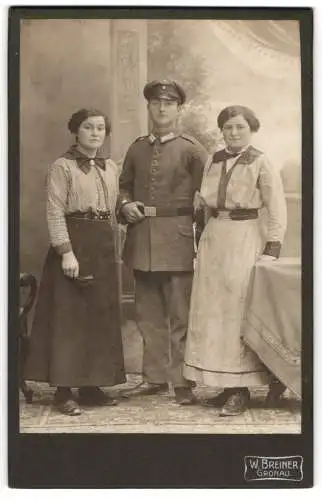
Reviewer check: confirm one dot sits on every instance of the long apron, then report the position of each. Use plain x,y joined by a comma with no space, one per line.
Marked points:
76,334
216,354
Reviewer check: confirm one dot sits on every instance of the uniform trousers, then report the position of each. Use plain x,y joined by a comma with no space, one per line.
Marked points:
162,312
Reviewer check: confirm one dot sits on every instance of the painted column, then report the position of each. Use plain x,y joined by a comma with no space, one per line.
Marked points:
128,106
129,74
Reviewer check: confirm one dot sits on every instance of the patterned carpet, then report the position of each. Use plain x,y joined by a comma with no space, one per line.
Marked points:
155,414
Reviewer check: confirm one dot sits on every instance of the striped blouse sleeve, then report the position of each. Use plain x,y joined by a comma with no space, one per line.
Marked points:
57,193
272,192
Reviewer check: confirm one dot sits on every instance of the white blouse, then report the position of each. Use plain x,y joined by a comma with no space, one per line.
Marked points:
253,182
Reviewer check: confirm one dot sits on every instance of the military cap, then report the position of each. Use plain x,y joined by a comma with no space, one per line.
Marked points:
164,89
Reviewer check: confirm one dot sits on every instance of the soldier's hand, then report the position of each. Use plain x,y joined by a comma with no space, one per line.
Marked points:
70,265
132,213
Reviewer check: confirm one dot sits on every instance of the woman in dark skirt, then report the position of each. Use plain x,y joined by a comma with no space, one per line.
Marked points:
76,337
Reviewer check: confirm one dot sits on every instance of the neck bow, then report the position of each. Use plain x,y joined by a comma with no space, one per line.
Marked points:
84,162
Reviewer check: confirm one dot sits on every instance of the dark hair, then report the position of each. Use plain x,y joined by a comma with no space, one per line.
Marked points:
77,119
231,111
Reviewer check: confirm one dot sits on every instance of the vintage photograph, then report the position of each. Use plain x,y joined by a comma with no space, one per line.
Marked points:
160,226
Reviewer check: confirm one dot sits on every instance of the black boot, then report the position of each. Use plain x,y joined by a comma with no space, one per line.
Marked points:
94,396
274,395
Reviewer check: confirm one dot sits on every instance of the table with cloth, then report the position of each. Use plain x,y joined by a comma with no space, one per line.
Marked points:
273,319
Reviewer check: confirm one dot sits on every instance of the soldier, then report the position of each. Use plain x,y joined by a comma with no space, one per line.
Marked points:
161,173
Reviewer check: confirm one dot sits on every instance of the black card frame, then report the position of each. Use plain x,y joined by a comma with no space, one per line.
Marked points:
142,460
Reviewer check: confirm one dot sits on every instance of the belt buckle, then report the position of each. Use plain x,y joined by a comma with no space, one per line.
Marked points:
223,215
103,214
150,211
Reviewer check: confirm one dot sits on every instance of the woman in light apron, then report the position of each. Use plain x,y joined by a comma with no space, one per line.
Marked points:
238,181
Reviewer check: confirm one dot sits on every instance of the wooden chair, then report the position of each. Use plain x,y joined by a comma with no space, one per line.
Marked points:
26,281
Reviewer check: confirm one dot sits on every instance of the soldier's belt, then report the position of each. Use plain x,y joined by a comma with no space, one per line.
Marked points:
236,214
165,211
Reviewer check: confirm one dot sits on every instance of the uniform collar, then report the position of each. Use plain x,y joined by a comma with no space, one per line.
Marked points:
162,139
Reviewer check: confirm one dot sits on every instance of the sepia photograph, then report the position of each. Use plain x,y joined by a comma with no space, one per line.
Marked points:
160,163
160,226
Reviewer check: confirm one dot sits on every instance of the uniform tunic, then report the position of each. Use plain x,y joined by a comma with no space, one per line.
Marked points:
76,334
162,172
228,249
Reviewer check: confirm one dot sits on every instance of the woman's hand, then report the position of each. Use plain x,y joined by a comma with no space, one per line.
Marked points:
267,257
132,213
70,265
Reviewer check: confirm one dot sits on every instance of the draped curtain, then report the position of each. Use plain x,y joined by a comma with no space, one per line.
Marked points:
271,48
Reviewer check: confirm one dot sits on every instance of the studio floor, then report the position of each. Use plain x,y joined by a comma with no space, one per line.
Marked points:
156,414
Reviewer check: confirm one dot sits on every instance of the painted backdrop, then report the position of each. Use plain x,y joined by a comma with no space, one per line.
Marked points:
68,64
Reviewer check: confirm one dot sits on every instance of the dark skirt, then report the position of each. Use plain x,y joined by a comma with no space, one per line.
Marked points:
76,334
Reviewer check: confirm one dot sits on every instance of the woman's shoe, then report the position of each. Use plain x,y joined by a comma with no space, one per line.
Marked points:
219,400
69,407
65,403
94,396
236,404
